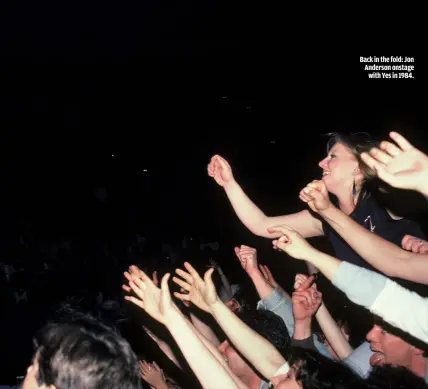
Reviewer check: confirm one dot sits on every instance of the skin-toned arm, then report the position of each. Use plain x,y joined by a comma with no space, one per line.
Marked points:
205,330
262,354
250,215
158,304
381,254
247,257
401,165
328,325
292,243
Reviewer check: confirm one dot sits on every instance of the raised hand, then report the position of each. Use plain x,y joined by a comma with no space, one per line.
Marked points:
156,302
201,292
414,244
220,170
401,165
292,243
152,374
268,276
247,257
315,194
306,300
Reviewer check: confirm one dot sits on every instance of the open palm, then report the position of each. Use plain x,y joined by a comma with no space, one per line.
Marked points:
201,292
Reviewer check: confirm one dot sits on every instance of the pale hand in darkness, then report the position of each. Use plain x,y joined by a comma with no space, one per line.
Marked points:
201,292
247,257
401,166
151,373
156,302
306,303
292,243
220,170
315,194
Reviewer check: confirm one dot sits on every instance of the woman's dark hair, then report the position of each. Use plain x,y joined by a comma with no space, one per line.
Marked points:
314,371
357,142
394,377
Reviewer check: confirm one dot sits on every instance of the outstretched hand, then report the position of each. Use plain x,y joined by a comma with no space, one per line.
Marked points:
201,292
315,194
220,170
156,302
401,165
292,243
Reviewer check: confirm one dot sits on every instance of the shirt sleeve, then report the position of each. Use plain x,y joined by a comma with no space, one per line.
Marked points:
282,307
396,305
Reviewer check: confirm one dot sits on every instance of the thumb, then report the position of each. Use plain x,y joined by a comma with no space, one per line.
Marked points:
208,279
305,285
223,163
164,285
237,250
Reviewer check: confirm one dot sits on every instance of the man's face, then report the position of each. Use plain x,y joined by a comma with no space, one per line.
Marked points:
389,348
234,360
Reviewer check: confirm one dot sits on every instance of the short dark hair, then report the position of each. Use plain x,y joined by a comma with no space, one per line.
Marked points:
269,325
314,371
85,354
393,377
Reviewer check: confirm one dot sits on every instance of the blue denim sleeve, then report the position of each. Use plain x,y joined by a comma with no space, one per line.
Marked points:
278,304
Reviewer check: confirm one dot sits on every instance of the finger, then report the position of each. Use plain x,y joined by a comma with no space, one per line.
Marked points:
164,285
237,251
416,245
268,272
145,365
155,365
371,162
301,299
382,156
155,276
223,163
183,284
247,247
208,279
306,284
390,148
182,297
192,271
263,271
314,185
407,242
126,288
185,275
135,301
140,283
139,273
405,239
401,141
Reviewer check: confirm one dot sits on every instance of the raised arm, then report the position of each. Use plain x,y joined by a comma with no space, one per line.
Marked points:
364,287
401,165
250,215
160,306
328,325
381,254
259,352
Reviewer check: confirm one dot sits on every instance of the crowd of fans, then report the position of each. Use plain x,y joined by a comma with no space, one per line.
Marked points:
188,329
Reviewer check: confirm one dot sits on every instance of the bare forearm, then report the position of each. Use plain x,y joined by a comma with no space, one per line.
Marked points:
325,263
333,333
205,330
262,354
249,214
263,287
381,254
200,359
302,329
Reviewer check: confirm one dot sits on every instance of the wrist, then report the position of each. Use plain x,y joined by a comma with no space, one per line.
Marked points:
254,272
231,185
327,211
